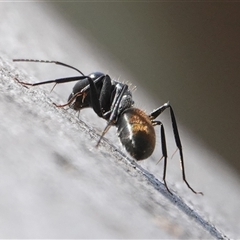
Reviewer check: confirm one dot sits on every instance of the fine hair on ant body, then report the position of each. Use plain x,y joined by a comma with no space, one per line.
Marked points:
112,101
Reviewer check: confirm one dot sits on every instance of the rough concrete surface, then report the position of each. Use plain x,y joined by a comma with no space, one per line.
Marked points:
56,184
55,179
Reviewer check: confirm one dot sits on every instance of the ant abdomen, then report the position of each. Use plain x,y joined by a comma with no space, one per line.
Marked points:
136,133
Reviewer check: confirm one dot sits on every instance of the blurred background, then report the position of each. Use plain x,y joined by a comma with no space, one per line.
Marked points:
184,52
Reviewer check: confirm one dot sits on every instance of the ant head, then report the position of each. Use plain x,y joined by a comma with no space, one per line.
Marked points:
95,75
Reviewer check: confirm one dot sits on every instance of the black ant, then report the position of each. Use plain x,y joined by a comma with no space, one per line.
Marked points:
112,101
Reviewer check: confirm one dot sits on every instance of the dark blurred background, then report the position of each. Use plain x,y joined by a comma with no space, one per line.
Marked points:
184,52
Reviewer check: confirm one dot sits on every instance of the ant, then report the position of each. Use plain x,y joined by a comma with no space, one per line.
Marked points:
112,101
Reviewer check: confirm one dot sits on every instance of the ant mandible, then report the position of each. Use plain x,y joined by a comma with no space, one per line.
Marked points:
112,101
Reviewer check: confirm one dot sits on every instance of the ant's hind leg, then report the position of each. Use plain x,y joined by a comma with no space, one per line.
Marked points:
154,115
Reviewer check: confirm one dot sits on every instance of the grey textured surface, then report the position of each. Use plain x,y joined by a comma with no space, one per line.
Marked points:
55,183
55,179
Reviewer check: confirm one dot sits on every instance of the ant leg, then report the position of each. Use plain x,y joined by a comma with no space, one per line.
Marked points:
94,95
69,101
113,110
105,94
159,110
100,101
154,115
164,152
179,145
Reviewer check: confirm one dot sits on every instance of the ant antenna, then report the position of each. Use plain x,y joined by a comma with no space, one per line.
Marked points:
46,61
